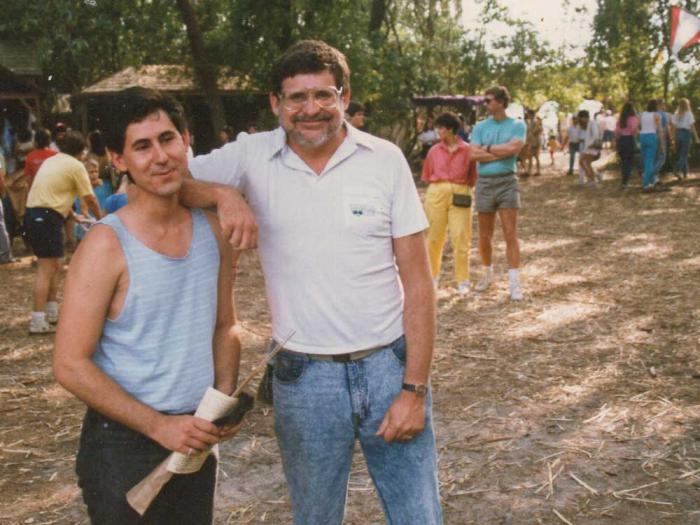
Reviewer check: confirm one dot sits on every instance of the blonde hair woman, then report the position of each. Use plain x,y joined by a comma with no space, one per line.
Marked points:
683,122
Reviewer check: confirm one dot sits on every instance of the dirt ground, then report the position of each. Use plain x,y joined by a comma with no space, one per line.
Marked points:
579,405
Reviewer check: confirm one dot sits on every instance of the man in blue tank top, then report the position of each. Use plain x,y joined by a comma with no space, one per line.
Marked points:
140,340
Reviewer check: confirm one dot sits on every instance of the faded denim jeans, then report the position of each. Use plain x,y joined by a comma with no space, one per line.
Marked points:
321,408
683,144
650,144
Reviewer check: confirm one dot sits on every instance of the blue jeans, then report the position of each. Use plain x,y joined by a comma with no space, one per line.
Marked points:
649,144
113,458
573,150
683,145
321,408
660,160
625,149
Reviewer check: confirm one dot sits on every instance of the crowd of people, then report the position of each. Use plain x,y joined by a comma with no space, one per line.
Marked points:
652,142
54,186
362,251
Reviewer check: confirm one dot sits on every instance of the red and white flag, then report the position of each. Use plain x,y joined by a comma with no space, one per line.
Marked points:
685,29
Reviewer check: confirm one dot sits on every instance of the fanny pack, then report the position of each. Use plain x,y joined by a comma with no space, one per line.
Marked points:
460,200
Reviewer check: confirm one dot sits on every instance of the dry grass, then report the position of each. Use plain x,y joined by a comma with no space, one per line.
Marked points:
579,405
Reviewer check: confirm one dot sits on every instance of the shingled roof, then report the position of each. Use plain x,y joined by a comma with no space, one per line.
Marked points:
172,78
20,59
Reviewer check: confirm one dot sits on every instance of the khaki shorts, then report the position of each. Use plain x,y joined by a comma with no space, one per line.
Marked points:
497,191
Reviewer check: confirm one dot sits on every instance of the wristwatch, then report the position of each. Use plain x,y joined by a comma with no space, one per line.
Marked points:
419,390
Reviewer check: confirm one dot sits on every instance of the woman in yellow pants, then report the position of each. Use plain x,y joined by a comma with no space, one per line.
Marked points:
448,199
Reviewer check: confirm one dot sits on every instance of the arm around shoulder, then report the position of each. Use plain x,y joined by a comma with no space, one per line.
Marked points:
237,220
219,177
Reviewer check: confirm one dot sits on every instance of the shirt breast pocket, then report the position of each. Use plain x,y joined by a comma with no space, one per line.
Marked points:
366,214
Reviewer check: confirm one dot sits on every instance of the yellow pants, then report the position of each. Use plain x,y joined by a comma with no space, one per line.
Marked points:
442,214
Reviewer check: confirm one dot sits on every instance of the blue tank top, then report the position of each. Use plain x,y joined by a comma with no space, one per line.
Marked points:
159,348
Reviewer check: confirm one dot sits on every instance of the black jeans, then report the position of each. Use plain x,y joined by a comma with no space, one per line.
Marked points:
113,458
626,148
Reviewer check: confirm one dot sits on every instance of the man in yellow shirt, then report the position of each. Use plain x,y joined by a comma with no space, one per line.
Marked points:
58,182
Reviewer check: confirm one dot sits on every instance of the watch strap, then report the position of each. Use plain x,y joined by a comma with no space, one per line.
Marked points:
420,390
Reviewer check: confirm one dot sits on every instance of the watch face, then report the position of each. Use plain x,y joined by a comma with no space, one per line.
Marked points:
421,390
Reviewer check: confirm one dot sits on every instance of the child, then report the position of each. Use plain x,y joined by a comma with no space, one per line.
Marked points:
101,192
552,146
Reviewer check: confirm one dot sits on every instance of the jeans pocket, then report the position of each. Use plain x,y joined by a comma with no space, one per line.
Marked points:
288,367
398,350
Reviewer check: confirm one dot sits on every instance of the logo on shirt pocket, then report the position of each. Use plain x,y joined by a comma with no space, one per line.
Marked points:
363,213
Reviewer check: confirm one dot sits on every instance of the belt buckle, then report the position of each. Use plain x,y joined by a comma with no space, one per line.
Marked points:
341,358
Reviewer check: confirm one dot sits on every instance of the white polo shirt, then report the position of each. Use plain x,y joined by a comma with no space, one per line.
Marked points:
325,241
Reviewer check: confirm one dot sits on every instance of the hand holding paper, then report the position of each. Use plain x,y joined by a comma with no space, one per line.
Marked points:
215,406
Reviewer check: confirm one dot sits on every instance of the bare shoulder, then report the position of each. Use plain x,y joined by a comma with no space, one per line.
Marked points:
99,253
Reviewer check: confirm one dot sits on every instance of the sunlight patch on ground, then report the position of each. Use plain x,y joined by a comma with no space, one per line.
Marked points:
23,352
635,417
554,318
693,262
651,249
562,279
636,237
661,211
530,247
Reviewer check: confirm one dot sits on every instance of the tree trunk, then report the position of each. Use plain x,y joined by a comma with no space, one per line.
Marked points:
377,15
284,38
206,72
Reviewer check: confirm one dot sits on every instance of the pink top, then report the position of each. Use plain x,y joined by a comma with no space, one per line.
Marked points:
441,165
631,129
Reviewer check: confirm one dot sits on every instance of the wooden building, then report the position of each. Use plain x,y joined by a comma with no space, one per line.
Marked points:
20,71
244,105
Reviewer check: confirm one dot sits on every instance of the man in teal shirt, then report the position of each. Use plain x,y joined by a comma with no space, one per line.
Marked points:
496,143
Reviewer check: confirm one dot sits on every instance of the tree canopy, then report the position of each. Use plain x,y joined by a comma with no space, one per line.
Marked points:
396,48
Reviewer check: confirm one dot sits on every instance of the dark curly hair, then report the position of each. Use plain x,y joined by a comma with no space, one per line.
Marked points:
310,56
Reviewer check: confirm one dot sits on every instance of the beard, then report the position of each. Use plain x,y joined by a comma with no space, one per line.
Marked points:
326,134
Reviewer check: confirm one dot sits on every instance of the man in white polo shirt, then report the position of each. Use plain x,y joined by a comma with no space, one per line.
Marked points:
346,268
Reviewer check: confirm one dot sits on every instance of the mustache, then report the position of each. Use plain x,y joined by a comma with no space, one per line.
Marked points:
314,118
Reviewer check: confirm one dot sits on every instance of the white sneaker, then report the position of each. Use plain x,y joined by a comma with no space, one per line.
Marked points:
41,327
464,288
484,283
516,293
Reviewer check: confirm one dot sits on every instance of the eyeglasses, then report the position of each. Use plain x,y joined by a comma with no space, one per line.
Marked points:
325,97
